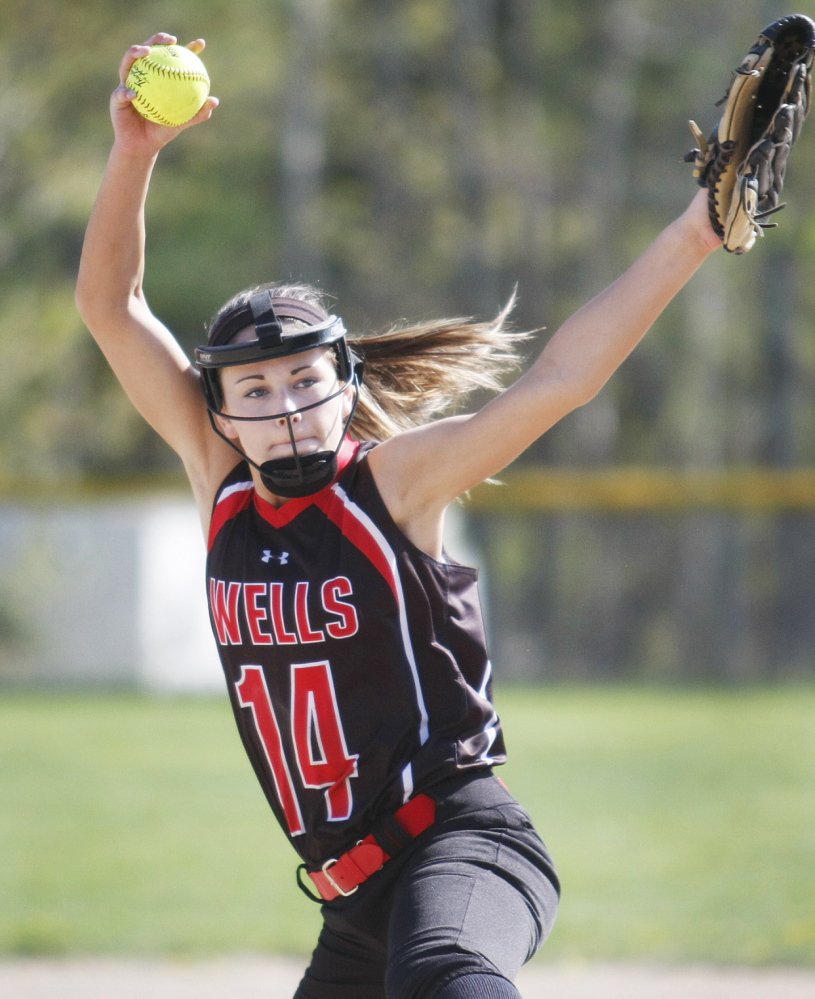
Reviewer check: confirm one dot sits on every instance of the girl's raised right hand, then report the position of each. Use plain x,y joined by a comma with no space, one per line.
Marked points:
134,133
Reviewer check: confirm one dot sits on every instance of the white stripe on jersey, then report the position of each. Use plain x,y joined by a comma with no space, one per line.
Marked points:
491,728
491,731
407,782
236,487
379,539
482,690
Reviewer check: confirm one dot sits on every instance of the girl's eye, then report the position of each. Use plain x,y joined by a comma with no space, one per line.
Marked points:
306,383
256,393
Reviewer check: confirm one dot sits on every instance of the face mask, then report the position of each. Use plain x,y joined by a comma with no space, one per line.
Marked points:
298,475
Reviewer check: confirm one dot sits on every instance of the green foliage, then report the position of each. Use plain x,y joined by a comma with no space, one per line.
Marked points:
64,413
682,826
417,158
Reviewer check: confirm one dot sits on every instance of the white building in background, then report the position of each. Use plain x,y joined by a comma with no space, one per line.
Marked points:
113,592
106,592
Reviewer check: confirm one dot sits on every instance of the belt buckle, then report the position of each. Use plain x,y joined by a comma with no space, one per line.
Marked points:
325,868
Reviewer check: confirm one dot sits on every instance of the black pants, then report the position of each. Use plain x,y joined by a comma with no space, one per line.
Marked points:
476,893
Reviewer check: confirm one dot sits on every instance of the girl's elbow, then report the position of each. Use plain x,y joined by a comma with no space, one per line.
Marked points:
585,393
83,299
577,392
86,296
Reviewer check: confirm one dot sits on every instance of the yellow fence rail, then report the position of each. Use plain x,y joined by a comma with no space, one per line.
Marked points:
542,489
530,489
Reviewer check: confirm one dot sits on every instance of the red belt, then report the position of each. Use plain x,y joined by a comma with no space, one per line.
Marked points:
343,875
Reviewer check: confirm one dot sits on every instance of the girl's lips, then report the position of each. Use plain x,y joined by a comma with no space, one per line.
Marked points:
306,445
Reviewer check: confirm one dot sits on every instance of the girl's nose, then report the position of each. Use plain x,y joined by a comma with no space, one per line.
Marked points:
289,418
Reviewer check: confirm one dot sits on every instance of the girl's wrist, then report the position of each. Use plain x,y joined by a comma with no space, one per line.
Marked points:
126,152
694,224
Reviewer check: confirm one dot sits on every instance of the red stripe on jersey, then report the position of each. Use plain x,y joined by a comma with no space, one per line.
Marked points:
364,534
234,499
333,506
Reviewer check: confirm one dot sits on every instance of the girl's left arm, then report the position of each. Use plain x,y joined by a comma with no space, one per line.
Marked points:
420,471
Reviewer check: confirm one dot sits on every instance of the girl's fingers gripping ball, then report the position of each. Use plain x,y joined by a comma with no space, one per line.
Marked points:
171,84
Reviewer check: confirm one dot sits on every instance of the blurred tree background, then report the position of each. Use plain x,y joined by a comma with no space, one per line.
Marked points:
421,158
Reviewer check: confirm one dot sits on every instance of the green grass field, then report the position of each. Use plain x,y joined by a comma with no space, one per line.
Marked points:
683,825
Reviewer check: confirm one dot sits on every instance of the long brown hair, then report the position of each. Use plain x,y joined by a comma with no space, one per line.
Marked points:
413,372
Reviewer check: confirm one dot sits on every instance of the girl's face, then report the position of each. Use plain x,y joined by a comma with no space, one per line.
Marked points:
283,385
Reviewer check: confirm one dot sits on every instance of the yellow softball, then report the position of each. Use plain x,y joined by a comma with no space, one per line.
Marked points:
171,84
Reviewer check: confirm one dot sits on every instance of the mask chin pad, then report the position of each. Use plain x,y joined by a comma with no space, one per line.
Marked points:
283,477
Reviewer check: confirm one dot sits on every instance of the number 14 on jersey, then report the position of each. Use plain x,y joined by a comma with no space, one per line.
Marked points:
317,737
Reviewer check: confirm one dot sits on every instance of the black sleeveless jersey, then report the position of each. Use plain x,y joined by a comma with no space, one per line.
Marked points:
356,663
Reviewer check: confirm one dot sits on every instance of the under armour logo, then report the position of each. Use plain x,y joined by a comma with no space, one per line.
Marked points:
267,557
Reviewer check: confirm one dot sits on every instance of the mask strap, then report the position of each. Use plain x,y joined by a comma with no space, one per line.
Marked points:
267,326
